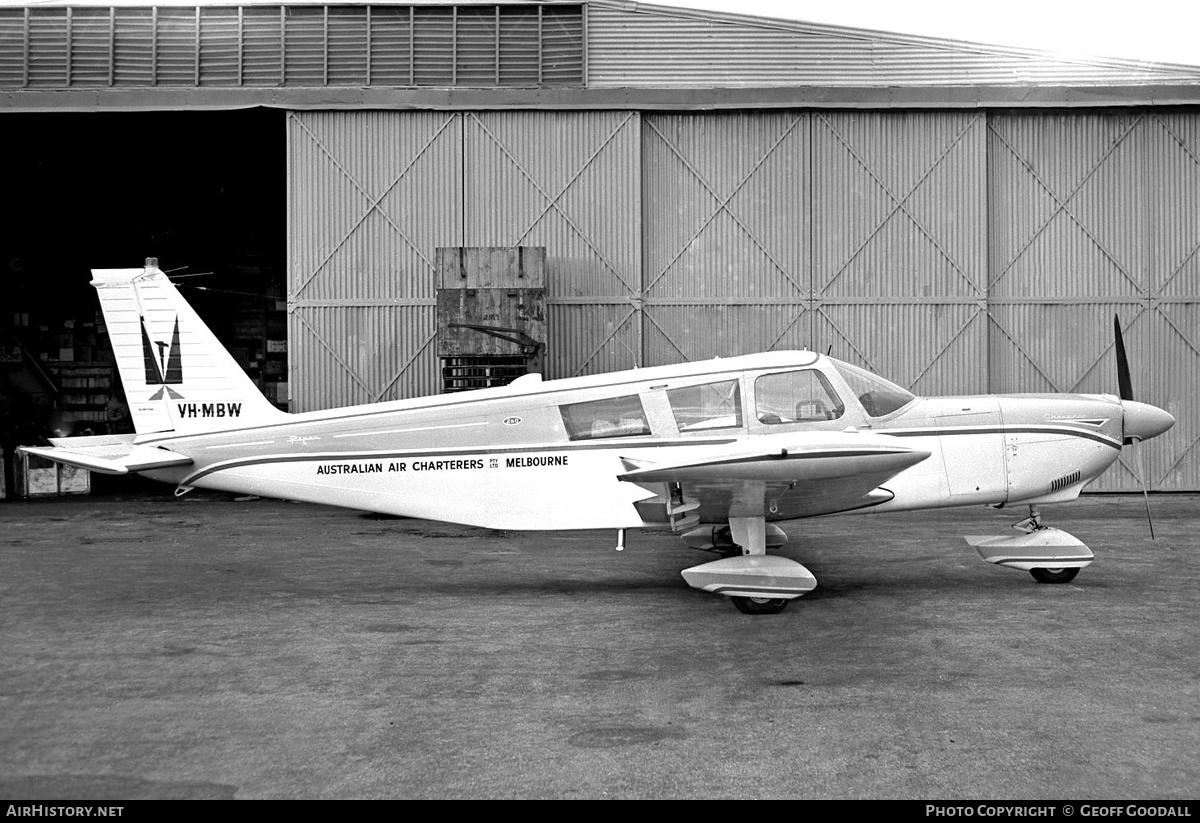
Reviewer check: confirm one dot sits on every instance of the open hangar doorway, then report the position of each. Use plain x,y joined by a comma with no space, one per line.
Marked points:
203,192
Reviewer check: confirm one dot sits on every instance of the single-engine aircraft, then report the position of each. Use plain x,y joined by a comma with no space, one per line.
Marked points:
718,451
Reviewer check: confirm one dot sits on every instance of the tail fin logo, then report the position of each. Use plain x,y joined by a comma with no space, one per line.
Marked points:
165,367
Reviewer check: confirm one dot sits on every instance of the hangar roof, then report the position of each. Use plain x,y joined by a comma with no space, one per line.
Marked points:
564,55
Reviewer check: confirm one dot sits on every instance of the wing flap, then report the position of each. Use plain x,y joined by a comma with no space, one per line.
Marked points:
108,455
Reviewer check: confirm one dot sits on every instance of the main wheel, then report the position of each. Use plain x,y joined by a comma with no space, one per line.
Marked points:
759,605
1054,575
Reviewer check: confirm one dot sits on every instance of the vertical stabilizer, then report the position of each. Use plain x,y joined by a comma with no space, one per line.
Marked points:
176,374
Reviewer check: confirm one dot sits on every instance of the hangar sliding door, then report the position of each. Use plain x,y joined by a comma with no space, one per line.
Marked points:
952,251
727,222
859,233
1167,370
568,181
371,196
1095,215
900,245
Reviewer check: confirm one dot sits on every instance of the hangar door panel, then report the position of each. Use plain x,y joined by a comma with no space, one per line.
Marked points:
900,245
1096,215
361,354
727,225
372,195
1164,370
568,181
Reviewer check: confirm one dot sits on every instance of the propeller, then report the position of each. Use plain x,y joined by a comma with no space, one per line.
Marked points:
1141,420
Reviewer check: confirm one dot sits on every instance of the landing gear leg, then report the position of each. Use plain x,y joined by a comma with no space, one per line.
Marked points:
751,534
1032,523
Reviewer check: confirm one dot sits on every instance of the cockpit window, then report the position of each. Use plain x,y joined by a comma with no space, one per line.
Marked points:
707,406
612,417
795,397
879,397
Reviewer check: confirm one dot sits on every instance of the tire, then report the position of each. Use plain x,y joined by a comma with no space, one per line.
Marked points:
759,605
1054,575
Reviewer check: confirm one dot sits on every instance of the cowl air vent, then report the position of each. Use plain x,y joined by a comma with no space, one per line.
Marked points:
1066,480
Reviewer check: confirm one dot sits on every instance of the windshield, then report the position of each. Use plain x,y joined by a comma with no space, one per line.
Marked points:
879,397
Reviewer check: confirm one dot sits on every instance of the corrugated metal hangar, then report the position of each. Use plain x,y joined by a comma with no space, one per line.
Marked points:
959,218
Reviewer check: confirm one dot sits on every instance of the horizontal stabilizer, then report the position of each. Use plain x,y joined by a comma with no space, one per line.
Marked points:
108,454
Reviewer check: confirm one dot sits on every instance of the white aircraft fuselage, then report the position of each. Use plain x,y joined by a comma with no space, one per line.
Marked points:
502,458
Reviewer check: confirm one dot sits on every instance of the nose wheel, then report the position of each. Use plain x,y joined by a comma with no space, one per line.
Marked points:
1049,554
1061,574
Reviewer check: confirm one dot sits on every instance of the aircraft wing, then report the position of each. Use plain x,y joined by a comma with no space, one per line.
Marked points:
111,454
784,478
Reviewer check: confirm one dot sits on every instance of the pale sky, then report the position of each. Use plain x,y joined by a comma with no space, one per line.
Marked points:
1166,31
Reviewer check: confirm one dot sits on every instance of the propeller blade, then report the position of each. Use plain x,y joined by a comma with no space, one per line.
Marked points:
1123,381
1137,464
1135,415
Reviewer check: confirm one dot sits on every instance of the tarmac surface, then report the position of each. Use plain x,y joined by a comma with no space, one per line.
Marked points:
207,647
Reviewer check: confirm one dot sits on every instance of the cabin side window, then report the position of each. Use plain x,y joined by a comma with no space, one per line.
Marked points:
707,406
796,397
611,417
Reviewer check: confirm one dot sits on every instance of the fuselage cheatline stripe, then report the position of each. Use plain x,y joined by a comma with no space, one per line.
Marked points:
635,444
